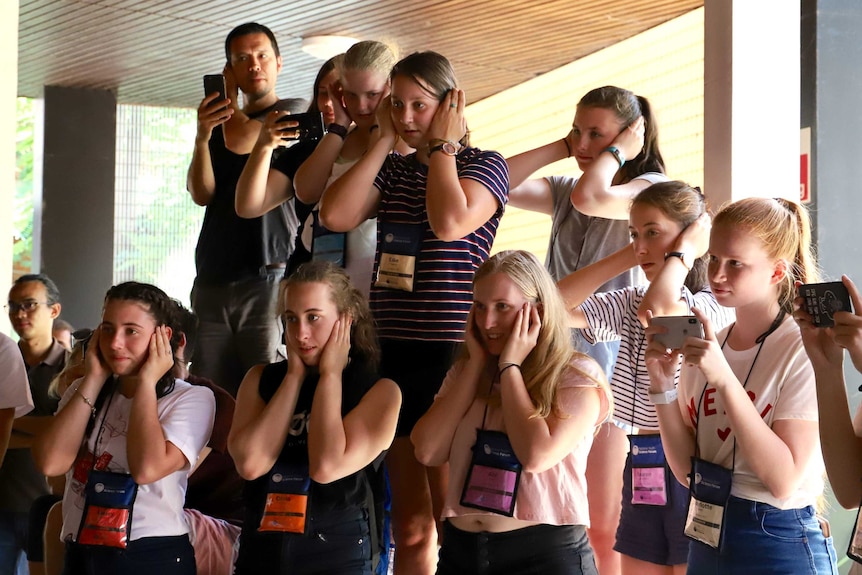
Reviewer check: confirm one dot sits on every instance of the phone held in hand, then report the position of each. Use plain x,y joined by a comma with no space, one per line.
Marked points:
822,300
215,83
678,327
310,125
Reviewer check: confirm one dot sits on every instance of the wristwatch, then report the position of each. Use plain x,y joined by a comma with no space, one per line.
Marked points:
681,256
664,397
448,147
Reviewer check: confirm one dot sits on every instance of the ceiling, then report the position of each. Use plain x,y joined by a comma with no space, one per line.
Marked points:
155,52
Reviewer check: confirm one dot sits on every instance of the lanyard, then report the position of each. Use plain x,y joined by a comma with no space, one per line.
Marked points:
495,379
761,339
102,428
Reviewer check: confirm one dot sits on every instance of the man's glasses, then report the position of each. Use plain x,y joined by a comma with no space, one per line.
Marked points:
25,306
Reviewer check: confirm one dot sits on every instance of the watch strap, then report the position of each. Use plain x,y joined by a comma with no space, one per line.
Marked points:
337,129
680,255
664,397
438,145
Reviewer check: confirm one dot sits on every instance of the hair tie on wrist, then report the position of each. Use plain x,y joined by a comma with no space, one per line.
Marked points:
501,367
568,146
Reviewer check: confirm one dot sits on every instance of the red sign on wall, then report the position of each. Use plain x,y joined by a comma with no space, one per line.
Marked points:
805,165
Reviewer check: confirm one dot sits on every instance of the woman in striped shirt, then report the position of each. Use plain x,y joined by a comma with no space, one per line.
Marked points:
669,227
437,210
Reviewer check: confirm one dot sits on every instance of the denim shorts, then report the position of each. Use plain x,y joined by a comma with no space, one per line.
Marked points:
539,550
760,538
654,533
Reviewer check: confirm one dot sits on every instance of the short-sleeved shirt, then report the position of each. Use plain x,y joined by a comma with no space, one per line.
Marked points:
40,377
186,416
14,390
20,482
288,164
232,248
578,240
555,496
360,243
612,316
437,308
781,386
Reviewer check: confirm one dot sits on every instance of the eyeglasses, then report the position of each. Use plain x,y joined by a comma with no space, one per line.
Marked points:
26,307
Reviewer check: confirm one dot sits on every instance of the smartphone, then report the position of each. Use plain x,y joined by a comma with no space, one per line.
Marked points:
215,83
822,300
678,327
310,125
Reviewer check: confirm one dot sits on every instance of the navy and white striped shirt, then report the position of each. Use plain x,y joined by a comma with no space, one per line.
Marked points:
437,308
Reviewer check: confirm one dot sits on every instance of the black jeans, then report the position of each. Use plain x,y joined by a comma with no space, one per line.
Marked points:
539,550
146,556
338,543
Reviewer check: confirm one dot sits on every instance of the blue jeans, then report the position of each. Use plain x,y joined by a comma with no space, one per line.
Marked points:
536,550
13,541
759,538
239,328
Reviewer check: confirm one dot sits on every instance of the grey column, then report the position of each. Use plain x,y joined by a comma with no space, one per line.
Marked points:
78,198
831,51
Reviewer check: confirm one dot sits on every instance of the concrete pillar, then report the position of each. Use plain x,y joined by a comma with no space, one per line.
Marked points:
78,198
8,128
751,99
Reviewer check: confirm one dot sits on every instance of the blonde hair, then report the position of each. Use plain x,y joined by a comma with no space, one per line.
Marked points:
369,55
347,299
544,367
784,229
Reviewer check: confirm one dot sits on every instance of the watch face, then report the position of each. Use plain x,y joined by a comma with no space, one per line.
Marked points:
449,149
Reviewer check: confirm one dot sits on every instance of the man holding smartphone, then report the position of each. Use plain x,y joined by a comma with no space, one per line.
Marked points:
239,261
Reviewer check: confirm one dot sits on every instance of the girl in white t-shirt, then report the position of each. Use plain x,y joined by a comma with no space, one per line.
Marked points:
128,426
363,82
744,426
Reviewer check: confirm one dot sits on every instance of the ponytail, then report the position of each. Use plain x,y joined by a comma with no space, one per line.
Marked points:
803,268
784,229
650,159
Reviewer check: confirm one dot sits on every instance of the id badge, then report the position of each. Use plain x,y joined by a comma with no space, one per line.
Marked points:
287,495
108,502
709,485
854,550
327,245
649,470
494,474
399,247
